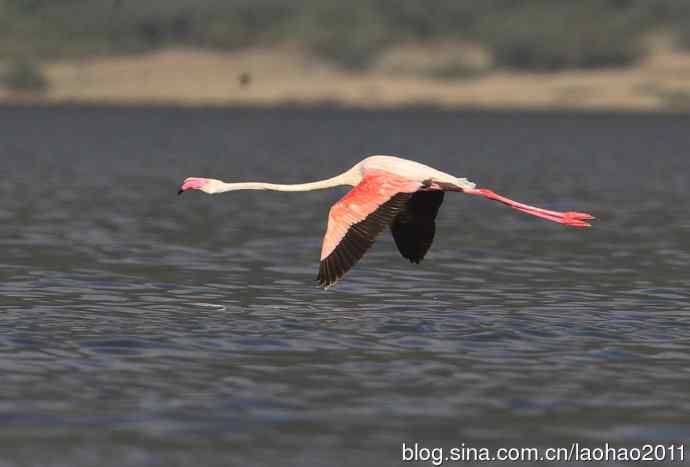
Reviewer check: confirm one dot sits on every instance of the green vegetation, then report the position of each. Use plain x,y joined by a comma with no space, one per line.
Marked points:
527,34
553,38
675,99
24,77
455,70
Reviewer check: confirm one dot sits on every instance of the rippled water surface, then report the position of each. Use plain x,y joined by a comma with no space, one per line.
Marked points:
142,328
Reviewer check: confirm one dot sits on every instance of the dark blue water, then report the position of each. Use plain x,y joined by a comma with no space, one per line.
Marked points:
142,328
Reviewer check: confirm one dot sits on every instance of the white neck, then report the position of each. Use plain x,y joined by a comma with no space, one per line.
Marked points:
351,177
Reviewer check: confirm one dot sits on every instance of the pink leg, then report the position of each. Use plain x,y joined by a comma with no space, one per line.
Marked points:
574,219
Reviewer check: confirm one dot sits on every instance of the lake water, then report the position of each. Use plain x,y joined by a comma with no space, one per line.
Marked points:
142,328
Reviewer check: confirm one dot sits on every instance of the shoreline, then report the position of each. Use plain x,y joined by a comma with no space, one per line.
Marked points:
328,106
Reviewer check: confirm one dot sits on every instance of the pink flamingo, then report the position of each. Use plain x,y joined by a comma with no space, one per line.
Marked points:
387,191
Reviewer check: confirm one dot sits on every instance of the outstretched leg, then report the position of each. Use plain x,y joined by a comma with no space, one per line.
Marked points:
571,218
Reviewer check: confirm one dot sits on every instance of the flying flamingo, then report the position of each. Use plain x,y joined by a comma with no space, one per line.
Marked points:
387,191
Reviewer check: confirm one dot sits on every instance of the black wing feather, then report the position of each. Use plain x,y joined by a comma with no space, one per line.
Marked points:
414,227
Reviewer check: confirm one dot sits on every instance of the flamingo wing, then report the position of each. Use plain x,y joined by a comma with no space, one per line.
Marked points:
414,227
358,218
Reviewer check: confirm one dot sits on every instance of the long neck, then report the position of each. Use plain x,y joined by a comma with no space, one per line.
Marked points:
346,178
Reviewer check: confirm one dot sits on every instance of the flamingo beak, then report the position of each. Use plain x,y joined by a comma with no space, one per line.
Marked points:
192,183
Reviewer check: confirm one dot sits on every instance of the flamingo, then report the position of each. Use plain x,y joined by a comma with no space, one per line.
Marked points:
388,191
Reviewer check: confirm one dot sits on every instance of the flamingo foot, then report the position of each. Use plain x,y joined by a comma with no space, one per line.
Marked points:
570,218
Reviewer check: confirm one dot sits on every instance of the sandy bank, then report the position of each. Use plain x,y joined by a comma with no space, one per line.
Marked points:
285,75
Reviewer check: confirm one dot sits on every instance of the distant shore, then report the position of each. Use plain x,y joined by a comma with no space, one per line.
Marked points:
287,76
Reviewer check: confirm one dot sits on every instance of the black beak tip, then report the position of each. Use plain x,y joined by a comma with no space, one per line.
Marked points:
180,191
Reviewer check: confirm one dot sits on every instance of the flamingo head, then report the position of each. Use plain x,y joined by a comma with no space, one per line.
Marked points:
207,185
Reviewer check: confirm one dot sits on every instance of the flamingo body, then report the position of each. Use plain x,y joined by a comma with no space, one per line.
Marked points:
388,192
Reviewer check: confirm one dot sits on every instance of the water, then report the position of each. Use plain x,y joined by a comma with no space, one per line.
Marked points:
142,328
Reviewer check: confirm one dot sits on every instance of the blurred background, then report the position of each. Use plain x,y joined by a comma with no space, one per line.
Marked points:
142,328
604,54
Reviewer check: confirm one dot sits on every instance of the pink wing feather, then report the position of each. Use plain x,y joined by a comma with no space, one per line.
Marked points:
357,218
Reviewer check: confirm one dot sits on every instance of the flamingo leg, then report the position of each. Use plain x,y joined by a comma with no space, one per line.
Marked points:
571,218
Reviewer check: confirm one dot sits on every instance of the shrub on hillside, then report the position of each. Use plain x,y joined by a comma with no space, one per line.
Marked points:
682,34
350,34
25,76
548,39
